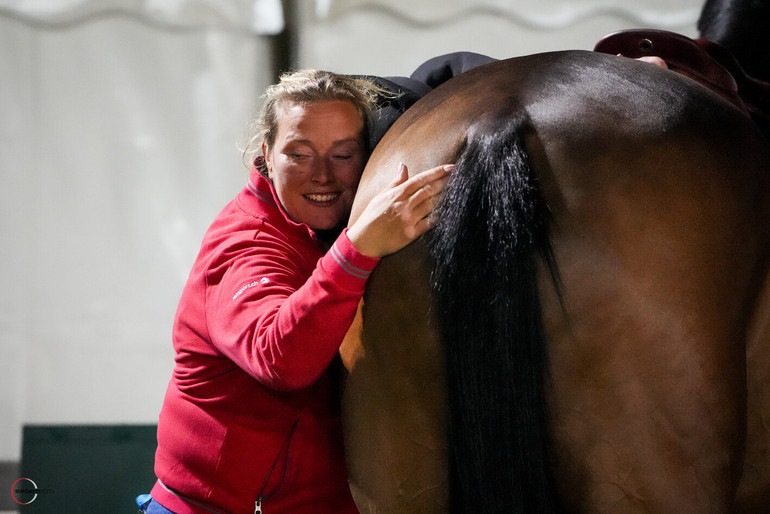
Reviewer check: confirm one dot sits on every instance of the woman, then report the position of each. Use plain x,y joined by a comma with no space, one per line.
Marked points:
250,421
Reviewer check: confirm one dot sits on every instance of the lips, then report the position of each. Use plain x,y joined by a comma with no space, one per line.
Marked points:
322,198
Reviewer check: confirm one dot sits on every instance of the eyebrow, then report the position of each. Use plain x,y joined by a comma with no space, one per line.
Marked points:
356,140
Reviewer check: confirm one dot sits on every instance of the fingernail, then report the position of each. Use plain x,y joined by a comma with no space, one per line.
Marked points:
449,167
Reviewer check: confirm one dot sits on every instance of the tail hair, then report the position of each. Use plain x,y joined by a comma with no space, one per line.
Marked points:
491,225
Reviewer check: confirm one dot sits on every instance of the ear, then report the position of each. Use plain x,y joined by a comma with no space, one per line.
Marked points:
268,159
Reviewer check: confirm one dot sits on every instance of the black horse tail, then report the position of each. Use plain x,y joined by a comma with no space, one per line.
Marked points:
740,26
492,224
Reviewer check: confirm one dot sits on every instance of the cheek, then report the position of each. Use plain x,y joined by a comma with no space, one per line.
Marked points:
351,174
285,183
284,172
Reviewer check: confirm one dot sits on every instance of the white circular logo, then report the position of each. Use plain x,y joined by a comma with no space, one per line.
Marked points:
24,492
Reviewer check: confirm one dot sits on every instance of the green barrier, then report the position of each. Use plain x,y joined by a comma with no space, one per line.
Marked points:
84,468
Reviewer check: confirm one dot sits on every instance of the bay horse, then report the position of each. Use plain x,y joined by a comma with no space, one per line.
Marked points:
587,327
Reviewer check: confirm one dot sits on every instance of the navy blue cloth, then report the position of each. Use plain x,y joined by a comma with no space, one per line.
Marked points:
429,75
438,70
407,92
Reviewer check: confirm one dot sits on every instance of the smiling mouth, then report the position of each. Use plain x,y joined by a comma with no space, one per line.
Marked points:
322,198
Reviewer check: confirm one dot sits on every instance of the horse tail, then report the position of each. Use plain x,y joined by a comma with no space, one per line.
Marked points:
491,225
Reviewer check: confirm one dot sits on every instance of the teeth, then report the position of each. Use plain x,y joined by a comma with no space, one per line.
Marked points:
322,197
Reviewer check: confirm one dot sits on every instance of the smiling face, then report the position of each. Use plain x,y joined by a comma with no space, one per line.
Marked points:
316,161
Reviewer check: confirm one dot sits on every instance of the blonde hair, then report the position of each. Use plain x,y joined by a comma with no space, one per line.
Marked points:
306,87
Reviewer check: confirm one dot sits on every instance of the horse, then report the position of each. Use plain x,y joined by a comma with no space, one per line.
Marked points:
587,326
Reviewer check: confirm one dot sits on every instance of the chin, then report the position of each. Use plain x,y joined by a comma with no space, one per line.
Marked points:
330,222
318,227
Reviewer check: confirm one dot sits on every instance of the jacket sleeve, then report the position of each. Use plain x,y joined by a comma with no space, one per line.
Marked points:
281,327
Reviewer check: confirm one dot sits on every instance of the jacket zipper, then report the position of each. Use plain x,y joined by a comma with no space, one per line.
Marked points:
261,495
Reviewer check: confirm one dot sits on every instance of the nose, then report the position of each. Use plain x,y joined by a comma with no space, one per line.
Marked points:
322,174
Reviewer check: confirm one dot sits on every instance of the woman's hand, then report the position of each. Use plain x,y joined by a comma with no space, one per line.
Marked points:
399,214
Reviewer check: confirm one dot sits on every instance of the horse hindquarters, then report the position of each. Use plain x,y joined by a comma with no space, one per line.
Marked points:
649,184
658,260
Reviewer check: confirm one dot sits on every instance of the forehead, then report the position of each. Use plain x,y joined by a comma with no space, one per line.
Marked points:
335,119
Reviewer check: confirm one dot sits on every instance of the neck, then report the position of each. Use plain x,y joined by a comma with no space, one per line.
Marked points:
327,237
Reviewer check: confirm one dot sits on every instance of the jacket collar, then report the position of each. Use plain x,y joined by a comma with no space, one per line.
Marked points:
262,190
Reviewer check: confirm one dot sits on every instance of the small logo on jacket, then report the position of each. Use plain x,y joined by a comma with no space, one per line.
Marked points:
263,280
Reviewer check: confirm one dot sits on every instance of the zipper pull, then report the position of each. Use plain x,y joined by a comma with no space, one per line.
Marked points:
258,506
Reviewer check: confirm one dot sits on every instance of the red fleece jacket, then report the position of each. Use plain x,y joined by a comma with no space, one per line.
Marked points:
251,410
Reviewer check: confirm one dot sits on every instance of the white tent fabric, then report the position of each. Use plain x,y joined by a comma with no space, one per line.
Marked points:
257,16
543,14
118,145
392,37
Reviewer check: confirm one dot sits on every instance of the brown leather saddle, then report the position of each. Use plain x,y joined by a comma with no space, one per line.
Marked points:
703,61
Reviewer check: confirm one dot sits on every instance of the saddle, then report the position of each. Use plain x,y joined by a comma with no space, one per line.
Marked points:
702,60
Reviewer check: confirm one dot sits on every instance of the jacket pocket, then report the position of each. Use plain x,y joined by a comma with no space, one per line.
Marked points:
280,465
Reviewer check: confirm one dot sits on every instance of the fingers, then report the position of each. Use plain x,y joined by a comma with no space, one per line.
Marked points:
651,59
424,224
430,176
400,214
657,61
426,198
422,191
402,176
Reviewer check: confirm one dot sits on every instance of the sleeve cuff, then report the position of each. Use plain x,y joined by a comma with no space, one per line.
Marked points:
347,265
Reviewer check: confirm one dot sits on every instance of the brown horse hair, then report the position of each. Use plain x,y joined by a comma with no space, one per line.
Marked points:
492,225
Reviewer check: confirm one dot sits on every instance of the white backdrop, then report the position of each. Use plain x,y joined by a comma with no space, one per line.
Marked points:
119,122
392,37
118,145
